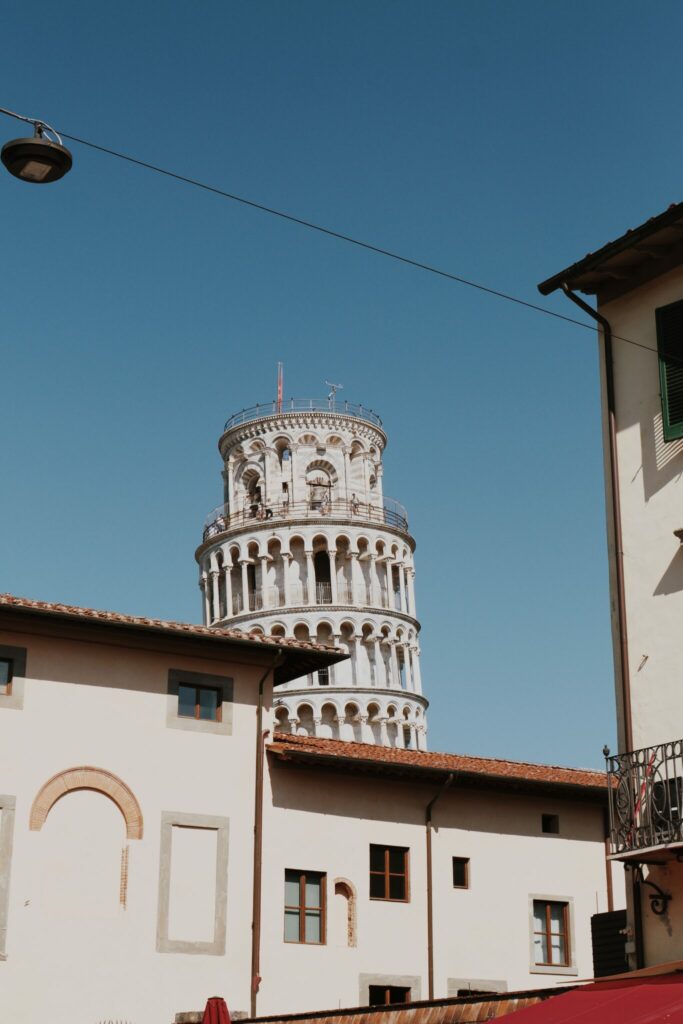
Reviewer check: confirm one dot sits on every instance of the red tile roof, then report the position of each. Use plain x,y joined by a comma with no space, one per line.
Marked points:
319,655
413,762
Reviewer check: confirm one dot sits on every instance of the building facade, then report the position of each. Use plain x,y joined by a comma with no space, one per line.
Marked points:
307,545
638,283
160,843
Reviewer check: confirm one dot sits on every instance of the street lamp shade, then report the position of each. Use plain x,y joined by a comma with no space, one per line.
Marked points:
37,160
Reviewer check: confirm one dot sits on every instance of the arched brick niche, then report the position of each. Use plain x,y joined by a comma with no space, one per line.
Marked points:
86,777
343,887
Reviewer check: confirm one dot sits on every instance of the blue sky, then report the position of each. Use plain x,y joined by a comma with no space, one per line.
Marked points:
498,140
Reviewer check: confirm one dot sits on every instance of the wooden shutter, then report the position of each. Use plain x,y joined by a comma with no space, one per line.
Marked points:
670,349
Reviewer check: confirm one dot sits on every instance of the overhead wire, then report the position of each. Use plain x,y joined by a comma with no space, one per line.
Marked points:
341,236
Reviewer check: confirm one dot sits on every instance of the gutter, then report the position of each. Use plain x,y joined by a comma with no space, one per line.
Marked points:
261,735
430,907
625,677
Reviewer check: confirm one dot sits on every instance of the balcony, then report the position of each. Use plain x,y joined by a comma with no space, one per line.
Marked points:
646,802
294,405
387,512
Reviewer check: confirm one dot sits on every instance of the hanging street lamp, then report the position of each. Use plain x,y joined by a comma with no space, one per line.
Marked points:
40,159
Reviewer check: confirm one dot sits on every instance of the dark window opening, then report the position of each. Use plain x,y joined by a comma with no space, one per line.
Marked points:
324,676
461,872
669,320
6,666
201,702
305,907
389,873
386,995
550,824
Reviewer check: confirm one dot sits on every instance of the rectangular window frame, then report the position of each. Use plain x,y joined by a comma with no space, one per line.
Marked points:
569,967
387,875
550,824
671,432
12,699
465,862
7,692
302,907
224,685
197,704
387,991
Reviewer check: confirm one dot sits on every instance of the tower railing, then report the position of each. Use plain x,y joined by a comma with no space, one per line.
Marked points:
386,511
303,405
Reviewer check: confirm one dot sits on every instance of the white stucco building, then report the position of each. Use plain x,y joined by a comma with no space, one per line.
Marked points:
307,545
638,282
158,844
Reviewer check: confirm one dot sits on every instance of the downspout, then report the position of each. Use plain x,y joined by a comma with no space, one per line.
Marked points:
616,511
430,910
258,838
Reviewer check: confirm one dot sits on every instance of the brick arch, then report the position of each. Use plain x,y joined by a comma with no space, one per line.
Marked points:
85,777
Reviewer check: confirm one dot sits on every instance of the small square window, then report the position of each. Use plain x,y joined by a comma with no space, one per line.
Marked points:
389,873
386,995
550,824
461,872
6,666
201,702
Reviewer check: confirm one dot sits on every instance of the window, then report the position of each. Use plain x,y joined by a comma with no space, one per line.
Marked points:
550,824
323,676
305,906
389,873
669,321
202,702
551,933
6,666
385,995
461,872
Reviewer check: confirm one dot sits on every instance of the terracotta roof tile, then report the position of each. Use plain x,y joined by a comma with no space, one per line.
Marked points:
291,747
162,625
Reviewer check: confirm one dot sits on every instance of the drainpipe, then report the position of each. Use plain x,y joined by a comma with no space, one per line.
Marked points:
258,838
616,512
430,909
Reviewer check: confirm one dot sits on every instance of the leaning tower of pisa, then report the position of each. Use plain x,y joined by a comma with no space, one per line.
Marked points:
307,545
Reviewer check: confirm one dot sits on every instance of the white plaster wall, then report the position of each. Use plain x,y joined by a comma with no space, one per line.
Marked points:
74,956
651,492
323,822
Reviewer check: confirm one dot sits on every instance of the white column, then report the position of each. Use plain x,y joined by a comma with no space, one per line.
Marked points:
215,592
317,722
413,736
390,583
411,591
227,573
332,555
396,678
245,585
310,577
383,734
402,587
355,581
347,474
366,735
400,739
408,669
204,587
265,603
421,737
286,559
379,663
417,677
374,581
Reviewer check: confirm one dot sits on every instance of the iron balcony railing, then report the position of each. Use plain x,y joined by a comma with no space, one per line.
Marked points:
386,511
646,797
303,405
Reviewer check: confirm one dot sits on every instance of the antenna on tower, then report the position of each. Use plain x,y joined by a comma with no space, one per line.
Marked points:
334,388
280,378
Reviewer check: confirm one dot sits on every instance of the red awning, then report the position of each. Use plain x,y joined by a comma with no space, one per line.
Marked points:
656,1000
216,1012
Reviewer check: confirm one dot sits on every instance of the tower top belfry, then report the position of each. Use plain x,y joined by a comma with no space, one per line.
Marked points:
307,545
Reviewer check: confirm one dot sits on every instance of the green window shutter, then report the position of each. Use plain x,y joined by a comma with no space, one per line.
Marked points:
670,349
